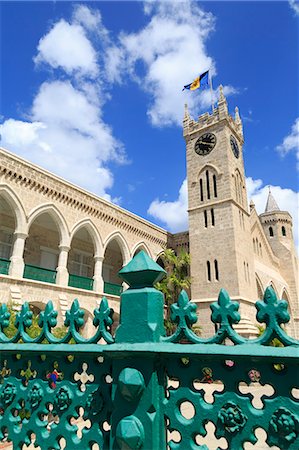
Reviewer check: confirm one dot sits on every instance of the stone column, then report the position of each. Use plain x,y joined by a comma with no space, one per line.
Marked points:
62,277
98,282
16,268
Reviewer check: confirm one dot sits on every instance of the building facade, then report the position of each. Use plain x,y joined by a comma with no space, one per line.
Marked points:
60,242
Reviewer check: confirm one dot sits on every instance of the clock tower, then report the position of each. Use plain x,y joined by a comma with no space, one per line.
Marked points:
219,225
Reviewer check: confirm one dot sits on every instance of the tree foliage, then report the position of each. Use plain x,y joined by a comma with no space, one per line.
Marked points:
177,278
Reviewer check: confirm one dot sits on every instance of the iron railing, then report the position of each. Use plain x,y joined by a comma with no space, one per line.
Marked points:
39,274
112,288
4,266
80,282
142,390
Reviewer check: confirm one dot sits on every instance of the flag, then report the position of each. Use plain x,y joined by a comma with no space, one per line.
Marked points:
201,81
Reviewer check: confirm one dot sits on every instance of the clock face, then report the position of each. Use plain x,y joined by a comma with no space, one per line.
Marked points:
205,144
234,146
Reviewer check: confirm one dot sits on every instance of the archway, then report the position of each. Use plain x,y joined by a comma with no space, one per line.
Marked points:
113,262
8,225
42,249
140,247
81,260
160,261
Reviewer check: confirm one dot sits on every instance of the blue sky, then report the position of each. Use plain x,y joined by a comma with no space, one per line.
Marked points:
92,91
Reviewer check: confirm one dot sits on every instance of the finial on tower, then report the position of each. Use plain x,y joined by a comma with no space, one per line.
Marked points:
222,103
251,205
238,120
186,113
221,94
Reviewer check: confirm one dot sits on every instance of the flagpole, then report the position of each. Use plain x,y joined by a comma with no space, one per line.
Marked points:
211,90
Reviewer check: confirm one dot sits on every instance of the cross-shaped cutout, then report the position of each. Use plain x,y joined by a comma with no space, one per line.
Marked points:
210,439
83,377
261,443
257,390
31,445
209,389
80,422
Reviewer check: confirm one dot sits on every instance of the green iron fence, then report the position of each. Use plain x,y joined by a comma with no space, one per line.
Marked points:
4,266
81,282
112,288
133,391
39,274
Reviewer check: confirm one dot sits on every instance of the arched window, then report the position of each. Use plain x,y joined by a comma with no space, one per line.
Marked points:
254,248
271,232
206,218
248,277
212,217
201,189
245,276
209,270
260,291
261,253
216,270
208,184
283,231
215,186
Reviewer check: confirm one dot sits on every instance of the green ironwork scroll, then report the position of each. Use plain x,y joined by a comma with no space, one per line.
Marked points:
142,390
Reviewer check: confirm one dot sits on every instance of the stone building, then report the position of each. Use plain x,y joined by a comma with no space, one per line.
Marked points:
60,242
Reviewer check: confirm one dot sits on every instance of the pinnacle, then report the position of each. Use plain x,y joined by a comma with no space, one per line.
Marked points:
142,271
271,203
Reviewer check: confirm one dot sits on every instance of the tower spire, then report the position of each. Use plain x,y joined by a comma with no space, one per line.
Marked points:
271,203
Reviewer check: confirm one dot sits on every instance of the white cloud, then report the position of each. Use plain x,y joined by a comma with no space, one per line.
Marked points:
90,19
173,214
65,131
166,54
295,6
291,142
66,46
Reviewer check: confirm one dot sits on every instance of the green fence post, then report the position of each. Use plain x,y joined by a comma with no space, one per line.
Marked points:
138,381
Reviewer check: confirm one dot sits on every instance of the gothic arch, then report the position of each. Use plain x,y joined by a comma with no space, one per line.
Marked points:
14,202
285,295
272,285
211,167
116,235
260,289
141,246
239,186
94,234
56,216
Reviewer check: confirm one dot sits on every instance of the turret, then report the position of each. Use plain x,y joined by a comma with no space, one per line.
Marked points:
277,224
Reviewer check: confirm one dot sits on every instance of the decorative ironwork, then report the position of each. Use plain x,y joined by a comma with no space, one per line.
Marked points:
225,314
146,390
74,320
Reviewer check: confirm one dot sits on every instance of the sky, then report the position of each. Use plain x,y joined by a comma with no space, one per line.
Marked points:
92,91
